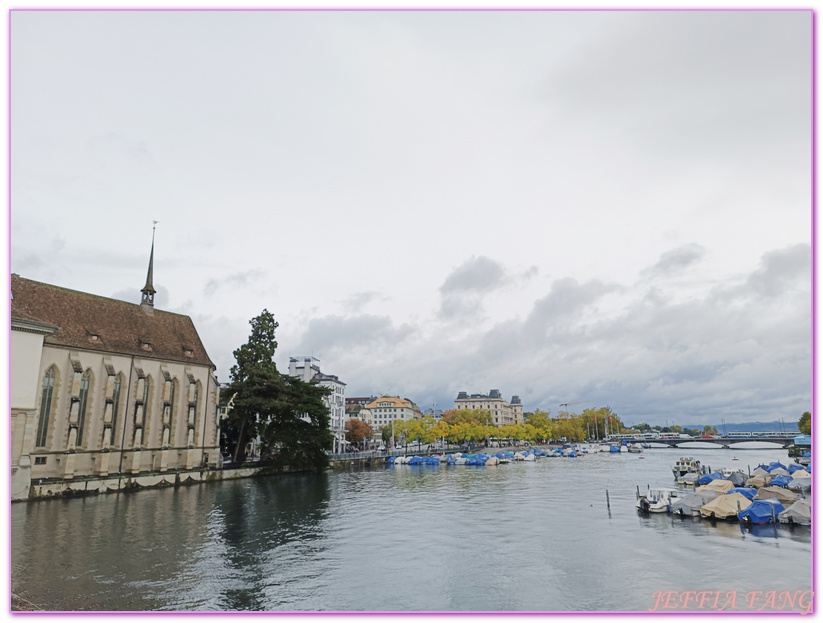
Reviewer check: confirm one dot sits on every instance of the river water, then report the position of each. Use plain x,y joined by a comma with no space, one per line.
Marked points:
518,537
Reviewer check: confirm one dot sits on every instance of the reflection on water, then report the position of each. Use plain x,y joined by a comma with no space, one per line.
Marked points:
524,536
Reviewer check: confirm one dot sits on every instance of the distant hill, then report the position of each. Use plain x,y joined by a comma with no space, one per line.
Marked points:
750,427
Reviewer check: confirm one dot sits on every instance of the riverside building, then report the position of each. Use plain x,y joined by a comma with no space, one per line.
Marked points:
308,369
102,388
503,412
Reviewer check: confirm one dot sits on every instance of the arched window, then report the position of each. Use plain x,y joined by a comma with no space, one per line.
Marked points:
145,423
85,383
115,407
172,411
45,407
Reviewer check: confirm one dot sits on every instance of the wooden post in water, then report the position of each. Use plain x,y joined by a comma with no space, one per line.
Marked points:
608,503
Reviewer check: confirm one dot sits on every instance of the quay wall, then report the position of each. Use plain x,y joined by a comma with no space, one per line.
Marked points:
59,487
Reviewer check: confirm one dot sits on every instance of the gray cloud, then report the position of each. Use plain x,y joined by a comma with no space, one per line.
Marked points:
655,359
675,261
362,333
478,274
464,288
782,270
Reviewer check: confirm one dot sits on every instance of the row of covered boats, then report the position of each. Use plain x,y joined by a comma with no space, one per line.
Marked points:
460,458
772,493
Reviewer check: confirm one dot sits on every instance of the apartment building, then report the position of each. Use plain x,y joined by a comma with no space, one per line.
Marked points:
503,413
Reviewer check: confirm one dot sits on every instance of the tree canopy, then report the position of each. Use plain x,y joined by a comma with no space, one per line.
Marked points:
804,424
288,414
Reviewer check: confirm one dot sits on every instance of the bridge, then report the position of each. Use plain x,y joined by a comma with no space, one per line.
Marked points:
722,442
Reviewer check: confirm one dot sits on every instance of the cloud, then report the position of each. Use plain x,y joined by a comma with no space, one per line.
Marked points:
675,261
465,287
331,335
782,270
727,352
478,274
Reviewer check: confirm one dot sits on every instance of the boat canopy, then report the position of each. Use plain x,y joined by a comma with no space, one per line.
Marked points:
749,492
692,502
704,480
721,486
738,478
781,481
800,513
775,465
794,467
724,506
783,495
762,511
757,481
800,484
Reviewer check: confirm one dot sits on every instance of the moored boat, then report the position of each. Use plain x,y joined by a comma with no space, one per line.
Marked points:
685,465
656,500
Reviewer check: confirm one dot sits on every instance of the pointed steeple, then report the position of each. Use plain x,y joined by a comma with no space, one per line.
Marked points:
148,289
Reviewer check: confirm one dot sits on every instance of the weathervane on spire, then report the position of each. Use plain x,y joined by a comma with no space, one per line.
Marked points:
148,290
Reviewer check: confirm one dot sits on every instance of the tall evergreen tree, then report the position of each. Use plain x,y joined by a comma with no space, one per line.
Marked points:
288,414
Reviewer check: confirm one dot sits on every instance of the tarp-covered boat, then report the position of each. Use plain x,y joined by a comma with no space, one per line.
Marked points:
721,486
761,511
691,503
784,496
798,513
749,492
704,480
725,506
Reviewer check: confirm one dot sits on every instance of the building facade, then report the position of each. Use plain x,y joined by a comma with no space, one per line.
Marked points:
308,369
386,409
120,388
503,413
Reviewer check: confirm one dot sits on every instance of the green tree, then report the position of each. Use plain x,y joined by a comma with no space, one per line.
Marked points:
804,424
287,413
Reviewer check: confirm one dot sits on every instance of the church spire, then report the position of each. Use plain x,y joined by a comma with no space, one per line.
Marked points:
148,289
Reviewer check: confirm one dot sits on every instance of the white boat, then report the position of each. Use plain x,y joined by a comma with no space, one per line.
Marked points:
685,465
635,447
624,449
656,500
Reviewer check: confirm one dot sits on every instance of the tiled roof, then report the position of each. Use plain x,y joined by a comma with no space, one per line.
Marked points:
396,402
120,327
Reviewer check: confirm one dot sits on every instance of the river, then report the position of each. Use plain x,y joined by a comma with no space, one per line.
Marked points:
518,537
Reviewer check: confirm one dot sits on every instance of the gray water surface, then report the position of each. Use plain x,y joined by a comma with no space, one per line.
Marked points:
517,537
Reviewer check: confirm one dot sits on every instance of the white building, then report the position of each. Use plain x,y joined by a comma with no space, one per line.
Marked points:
502,412
308,369
386,409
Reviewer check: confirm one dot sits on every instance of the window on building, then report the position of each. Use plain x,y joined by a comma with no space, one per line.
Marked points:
39,460
45,407
172,411
115,407
85,382
146,389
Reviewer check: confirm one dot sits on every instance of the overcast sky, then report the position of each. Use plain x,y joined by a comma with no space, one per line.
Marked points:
610,207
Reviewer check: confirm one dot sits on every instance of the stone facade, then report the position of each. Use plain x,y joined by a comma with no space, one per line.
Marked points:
120,389
503,413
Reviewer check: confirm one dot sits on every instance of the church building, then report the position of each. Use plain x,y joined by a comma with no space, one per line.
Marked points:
102,388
